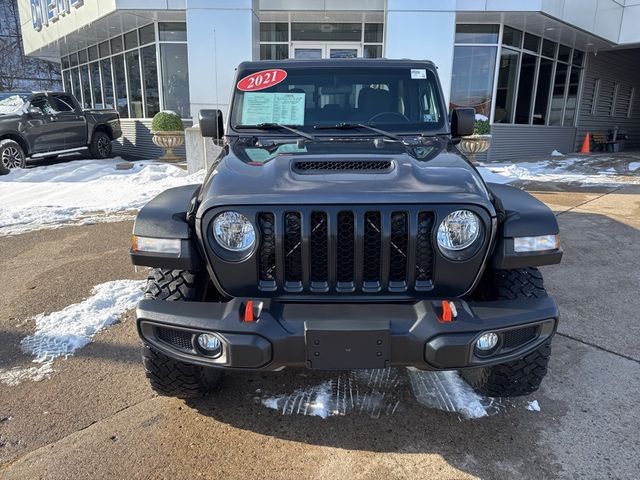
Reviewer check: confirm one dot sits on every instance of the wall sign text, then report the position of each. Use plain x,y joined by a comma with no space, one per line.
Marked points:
44,12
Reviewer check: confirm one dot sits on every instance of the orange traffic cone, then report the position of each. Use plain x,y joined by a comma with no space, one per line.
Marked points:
586,147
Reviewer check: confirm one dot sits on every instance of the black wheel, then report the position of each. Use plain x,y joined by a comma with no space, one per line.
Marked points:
168,376
522,376
100,145
11,155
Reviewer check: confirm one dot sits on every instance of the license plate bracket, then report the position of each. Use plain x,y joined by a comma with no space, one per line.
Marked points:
346,345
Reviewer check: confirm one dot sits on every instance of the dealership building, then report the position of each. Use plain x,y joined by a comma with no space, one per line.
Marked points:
544,72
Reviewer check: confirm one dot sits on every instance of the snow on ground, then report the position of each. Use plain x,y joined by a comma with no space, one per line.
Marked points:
633,166
82,191
556,153
586,171
533,406
15,376
63,332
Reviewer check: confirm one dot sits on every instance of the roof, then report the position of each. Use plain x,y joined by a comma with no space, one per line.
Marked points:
339,62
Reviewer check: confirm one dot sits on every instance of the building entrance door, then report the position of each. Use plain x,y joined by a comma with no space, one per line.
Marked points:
309,51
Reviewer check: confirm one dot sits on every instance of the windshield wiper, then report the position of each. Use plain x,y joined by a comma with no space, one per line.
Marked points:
349,126
276,126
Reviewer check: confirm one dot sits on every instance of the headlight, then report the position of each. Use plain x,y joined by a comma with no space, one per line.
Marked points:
233,231
457,232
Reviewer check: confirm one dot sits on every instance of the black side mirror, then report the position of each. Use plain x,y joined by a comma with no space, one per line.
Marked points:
211,124
462,122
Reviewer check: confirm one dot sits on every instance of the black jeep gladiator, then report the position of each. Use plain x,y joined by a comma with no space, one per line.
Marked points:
47,124
341,229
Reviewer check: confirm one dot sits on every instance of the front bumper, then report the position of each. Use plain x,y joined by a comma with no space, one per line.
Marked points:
346,336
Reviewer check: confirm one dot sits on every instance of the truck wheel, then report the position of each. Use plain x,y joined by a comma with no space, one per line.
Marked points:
11,155
522,376
100,145
168,376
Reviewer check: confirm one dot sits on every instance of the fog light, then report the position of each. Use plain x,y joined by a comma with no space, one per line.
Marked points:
487,342
210,344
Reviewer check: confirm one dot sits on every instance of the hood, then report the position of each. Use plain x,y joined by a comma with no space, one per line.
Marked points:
268,172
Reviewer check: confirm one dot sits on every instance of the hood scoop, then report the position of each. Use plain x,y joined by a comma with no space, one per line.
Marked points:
310,167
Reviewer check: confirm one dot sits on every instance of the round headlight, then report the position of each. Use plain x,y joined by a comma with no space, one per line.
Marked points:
459,230
233,231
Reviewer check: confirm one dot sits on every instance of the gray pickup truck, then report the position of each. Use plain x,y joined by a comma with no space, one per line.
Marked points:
46,124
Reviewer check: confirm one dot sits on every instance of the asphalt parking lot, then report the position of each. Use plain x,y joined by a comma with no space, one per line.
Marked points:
96,417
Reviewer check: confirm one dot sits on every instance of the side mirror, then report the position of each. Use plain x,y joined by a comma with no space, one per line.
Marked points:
34,111
211,124
462,122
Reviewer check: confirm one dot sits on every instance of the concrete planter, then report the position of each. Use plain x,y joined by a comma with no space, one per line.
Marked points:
168,141
473,145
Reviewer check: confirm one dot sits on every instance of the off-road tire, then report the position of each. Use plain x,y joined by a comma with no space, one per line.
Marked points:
522,376
100,146
167,376
11,156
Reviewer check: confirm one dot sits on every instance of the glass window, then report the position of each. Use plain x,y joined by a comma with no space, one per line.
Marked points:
75,83
86,86
572,97
274,32
557,99
93,52
172,31
477,33
549,48
175,78
150,75
372,51
373,32
82,56
62,103
274,51
531,42
116,45
103,48
42,103
543,91
506,91
512,37
564,53
66,81
135,84
120,86
472,81
525,88
343,32
147,34
107,83
578,58
73,60
65,62
131,40
94,71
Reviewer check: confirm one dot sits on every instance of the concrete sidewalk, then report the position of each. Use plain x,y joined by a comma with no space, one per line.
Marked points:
97,418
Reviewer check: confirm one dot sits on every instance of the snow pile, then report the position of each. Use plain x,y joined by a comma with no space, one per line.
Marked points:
63,332
556,153
16,376
82,191
533,406
633,166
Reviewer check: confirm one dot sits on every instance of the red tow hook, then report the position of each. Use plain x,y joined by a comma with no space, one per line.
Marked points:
248,312
449,312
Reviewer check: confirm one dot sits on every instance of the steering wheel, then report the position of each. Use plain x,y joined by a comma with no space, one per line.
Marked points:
380,115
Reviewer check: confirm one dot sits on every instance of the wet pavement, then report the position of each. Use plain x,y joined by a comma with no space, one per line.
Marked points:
94,415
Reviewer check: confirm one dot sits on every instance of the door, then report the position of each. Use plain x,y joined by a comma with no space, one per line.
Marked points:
41,131
310,51
69,120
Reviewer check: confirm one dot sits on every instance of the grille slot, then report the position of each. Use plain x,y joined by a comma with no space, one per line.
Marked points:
177,338
327,166
345,250
519,336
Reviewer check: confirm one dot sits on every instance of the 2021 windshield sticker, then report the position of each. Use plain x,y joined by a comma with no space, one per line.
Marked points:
261,80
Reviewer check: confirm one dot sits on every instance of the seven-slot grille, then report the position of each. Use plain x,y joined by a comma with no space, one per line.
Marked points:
321,250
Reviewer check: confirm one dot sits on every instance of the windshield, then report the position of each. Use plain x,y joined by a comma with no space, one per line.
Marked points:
396,99
10,102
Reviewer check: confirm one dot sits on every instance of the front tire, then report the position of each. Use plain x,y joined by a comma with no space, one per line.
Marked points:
167,376
11,156
100,146
522,376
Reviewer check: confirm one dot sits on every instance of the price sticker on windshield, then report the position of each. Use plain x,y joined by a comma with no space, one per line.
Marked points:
261,80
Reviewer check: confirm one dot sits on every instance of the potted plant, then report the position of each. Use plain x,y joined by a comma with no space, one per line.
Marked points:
479,142
168,133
